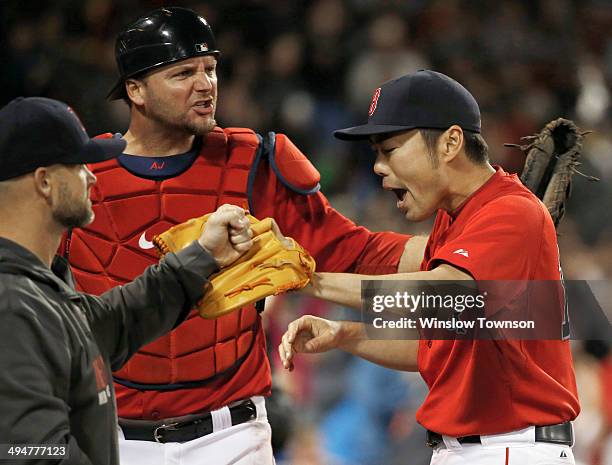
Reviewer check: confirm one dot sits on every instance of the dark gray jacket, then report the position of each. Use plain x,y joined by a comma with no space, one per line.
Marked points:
58,347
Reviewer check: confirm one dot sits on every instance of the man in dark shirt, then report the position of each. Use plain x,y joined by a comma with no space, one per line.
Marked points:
58,346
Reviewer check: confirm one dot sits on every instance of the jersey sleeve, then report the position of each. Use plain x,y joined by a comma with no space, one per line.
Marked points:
336,243
500,242
500,247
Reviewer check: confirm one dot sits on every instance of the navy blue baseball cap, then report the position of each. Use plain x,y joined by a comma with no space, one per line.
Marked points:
38,131
425,99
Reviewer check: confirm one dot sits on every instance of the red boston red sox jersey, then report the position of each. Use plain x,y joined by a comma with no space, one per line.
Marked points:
205,364
501,232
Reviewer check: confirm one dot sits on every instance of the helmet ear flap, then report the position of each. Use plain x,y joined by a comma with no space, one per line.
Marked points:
161,37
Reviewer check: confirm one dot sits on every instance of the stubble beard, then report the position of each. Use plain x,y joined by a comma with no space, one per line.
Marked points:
200,129
159,113
71,212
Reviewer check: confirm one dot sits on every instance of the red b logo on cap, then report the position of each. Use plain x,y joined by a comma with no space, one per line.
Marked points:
77,118
374,102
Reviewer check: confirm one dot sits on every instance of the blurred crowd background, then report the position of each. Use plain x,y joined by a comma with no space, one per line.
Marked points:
306,68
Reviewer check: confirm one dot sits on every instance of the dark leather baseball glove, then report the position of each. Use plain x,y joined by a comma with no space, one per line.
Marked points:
552,158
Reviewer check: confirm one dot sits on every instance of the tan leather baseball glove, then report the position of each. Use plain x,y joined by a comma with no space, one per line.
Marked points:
272,266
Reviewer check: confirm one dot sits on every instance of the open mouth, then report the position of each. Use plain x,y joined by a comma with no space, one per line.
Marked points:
203,104
400,193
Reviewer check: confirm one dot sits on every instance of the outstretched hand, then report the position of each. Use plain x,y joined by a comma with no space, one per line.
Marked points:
227,235
310,335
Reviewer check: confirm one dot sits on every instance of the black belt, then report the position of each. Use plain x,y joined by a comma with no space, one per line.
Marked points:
183,429
557,434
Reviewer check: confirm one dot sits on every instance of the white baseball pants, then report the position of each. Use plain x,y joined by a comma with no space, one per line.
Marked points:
515,448
245,444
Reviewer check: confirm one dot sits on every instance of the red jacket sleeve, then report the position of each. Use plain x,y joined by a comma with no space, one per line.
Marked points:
336,243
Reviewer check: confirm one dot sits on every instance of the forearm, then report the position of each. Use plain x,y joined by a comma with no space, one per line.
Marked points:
341,288
151,305
345,289
394,354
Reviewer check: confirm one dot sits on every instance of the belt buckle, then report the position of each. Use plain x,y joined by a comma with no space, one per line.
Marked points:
432,441
169,427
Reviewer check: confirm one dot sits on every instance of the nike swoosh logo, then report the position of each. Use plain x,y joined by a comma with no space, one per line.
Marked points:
143,243
462,252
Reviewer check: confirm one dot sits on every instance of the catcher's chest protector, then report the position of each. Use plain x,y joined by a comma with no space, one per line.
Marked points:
117,247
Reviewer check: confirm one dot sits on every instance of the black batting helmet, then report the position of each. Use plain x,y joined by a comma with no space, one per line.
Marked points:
161,37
